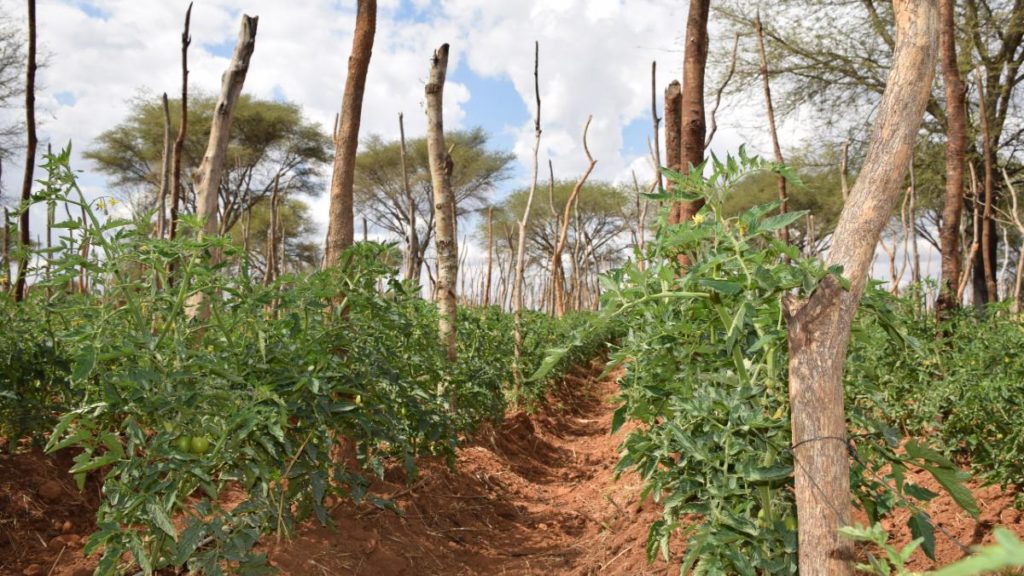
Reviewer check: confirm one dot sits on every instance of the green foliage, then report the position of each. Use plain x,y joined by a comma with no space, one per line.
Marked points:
267,139
964,388
894,562
33,382
706,379
214,430
380,191
597,221
1007,552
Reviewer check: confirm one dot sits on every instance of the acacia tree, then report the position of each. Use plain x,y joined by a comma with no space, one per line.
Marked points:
832,56
268,140
819,327
298,251
340,233
407,212
600,220
12,80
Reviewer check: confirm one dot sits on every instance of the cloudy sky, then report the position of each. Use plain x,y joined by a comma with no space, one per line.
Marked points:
595,60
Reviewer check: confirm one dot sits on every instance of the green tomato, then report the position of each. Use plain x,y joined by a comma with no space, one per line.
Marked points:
200,444
183,443
790,522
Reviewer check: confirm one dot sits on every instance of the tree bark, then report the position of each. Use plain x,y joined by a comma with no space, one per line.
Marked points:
212,166
693,123
165,171
340,232
557,274
490,256
179,141
412,269
656,125
819,327
30,153
520,266
444,203
784,232
272,234
988,249
673,133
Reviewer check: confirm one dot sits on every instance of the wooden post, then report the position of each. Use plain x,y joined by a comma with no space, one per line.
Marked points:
30,154
444,203
673,132
987,248
956,151
165,170
212,166
490,256
691,138
272,240
179,141
520,266
819,327
413,265
340,233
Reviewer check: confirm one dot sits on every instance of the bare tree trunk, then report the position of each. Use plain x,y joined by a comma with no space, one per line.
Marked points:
444,202
340,233
520,267
30,153
987,245
557,275
843,170
412,271
246,226
693,124
212,166
165,171
972,254
490,256
783,198
673,132
1015,215
655,125
272,240
819,327
179,141
7,251
915,255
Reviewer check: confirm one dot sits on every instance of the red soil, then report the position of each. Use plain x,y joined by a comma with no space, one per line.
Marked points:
535,495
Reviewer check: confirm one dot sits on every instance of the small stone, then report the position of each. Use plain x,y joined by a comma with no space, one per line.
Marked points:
66,527
51,491
33,570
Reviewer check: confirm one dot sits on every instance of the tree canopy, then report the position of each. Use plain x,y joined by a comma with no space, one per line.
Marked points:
380,192
601,216
268,139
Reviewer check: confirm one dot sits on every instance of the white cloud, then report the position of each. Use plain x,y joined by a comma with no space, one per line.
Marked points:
595,60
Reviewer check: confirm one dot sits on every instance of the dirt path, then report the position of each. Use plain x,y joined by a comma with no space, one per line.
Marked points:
535,496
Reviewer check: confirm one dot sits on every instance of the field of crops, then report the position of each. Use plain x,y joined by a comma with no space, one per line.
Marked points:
198,441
